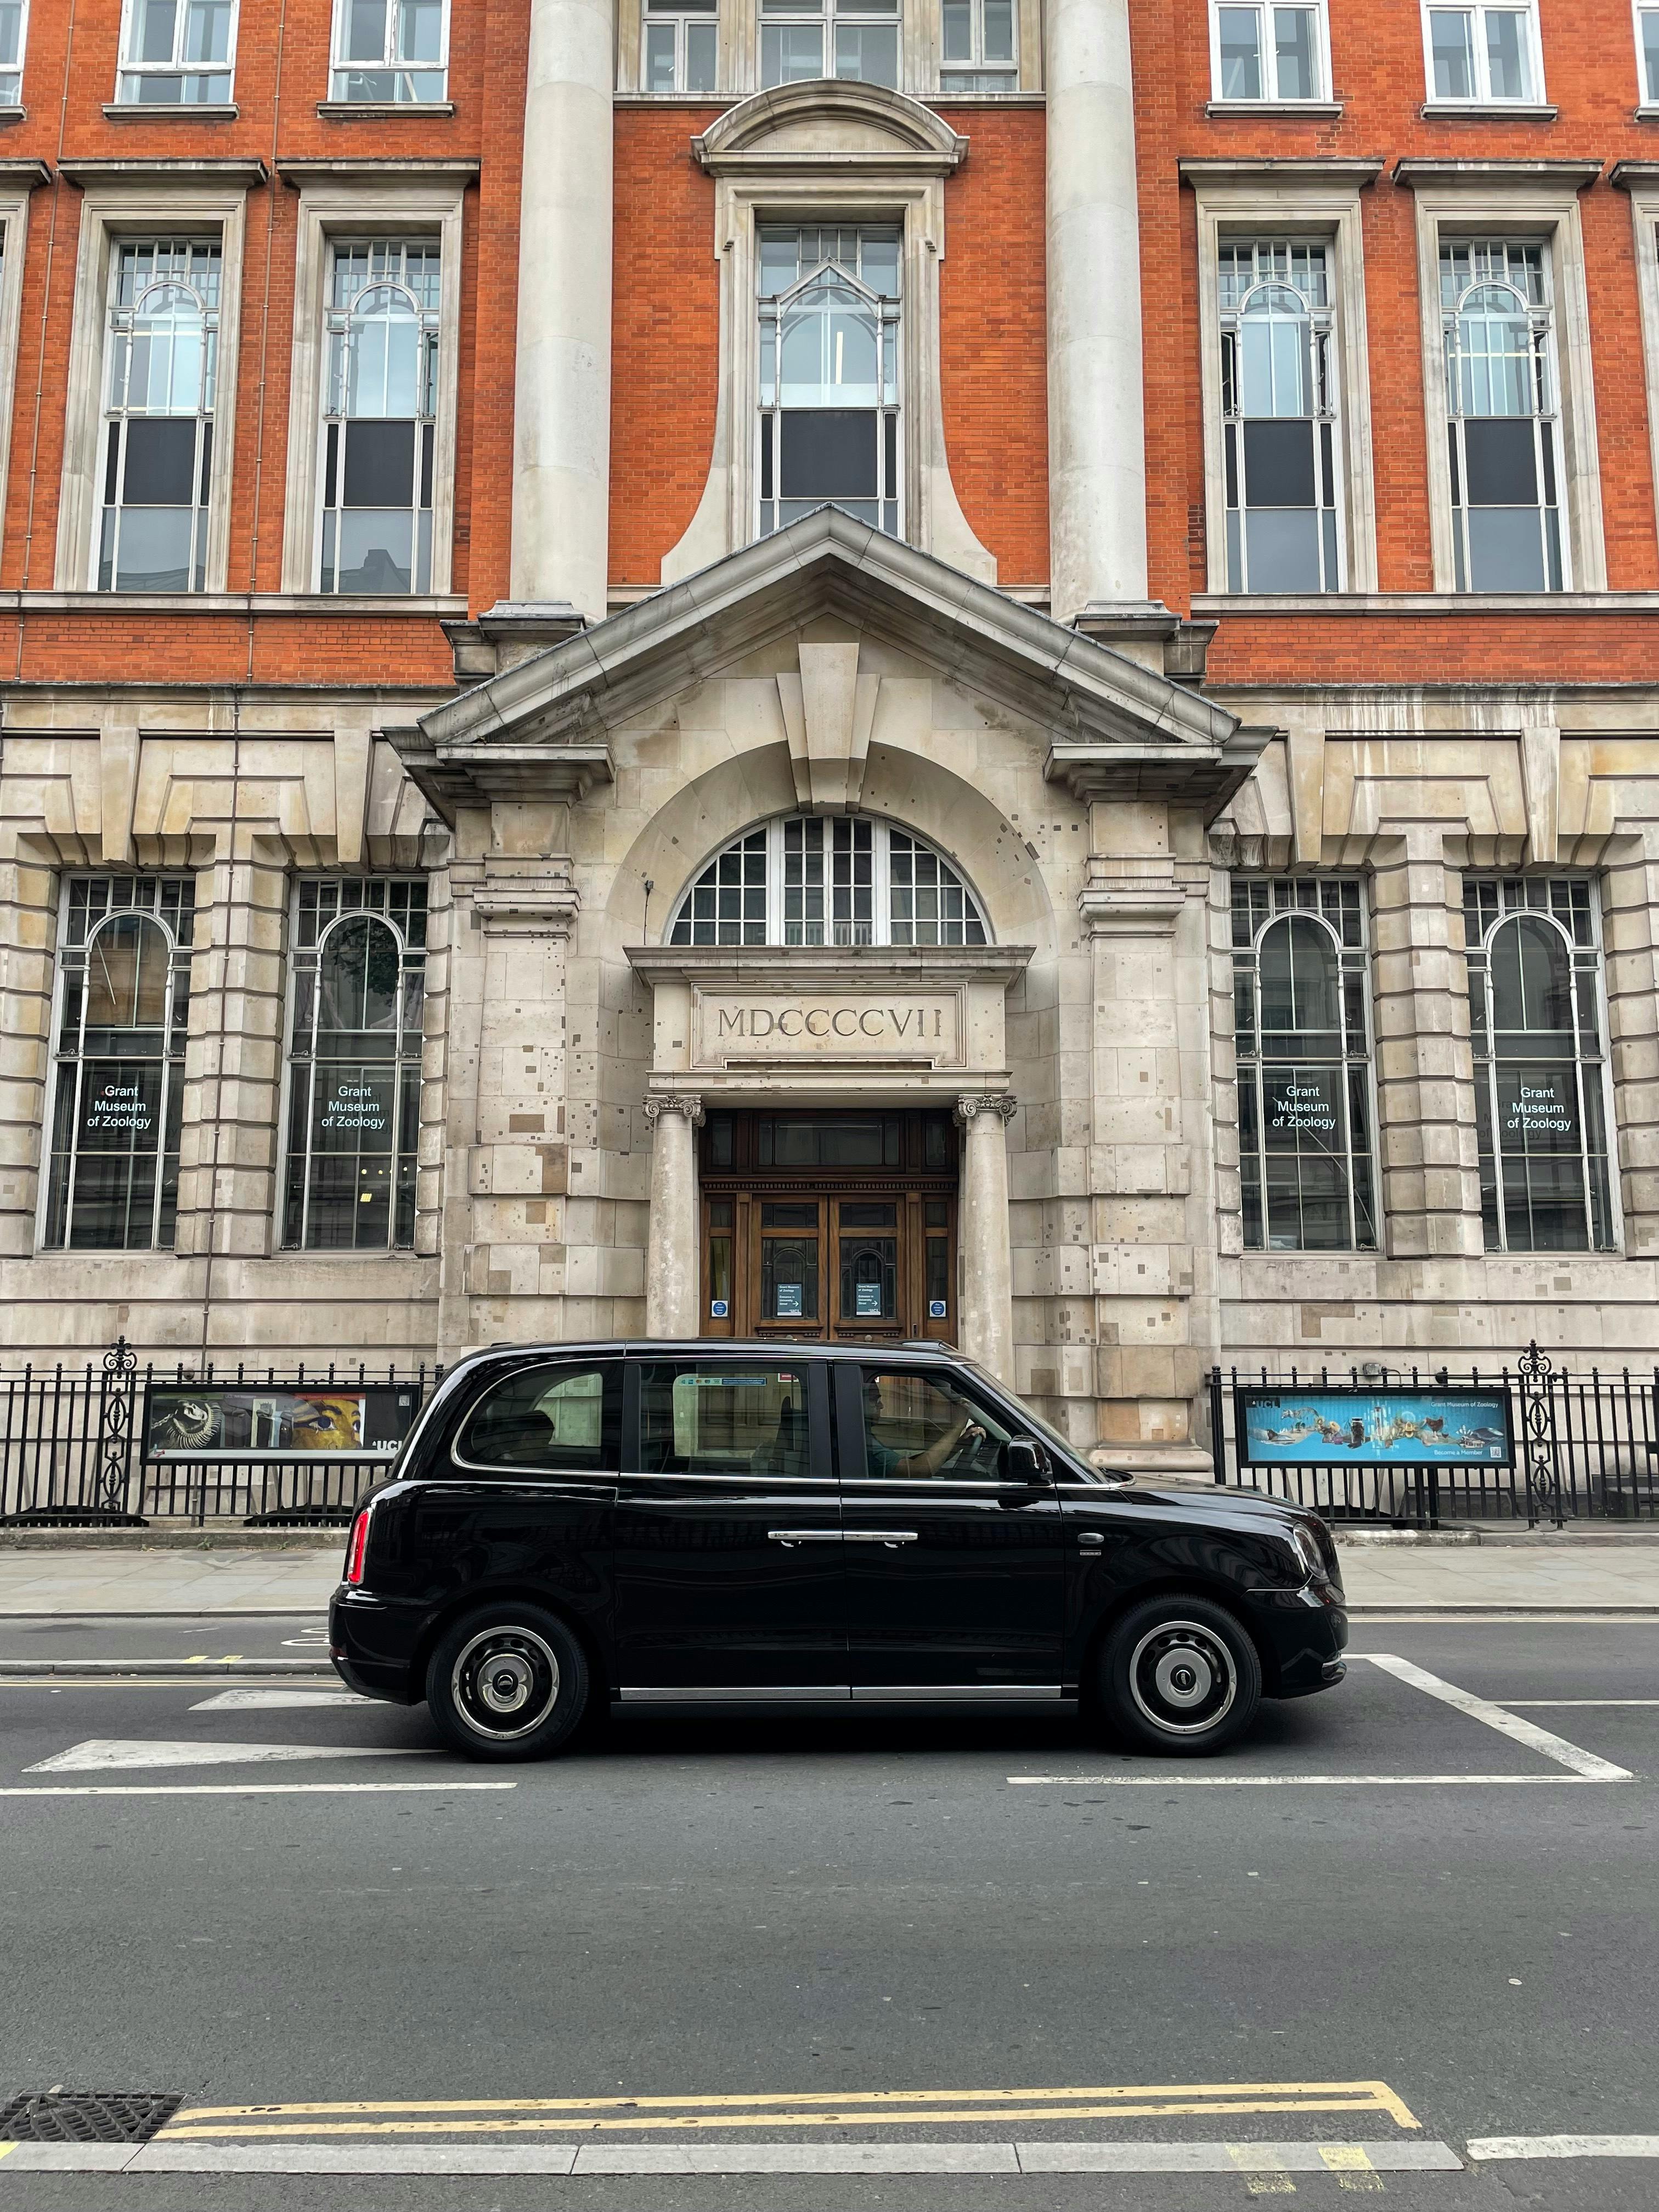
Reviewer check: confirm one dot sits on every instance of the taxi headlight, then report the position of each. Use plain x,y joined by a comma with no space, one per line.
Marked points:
1310,1557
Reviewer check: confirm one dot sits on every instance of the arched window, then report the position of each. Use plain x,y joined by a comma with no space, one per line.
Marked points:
844,880
1300,1029
1539,1064
1279,417
123,1010
829,430
355,1066
1503,440
380,416
157,456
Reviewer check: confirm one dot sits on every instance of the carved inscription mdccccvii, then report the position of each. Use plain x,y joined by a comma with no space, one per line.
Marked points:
734,1026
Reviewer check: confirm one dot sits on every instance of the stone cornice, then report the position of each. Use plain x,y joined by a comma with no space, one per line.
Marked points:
246,169
1412,169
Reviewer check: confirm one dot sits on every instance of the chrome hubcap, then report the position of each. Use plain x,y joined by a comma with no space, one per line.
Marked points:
504,1683
1181,1678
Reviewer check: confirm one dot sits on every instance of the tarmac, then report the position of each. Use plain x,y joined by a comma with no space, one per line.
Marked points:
1549,1575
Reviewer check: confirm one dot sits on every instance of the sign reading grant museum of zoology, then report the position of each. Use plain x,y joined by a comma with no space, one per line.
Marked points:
921,1026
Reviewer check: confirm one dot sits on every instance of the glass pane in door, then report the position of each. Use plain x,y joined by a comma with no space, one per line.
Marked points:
869,1261
789,1264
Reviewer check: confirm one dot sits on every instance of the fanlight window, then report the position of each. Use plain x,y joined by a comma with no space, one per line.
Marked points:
847,880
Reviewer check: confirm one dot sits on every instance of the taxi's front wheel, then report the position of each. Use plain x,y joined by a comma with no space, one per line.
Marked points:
508,1682
1178,1675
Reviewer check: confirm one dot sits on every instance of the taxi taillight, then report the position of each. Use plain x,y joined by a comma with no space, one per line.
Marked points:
357,1548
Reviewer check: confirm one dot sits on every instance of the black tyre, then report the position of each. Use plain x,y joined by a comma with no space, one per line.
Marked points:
508,1682
1179,1675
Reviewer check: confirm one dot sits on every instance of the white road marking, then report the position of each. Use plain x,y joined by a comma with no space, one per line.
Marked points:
239,1701
241,1788
716,2158
1556,1748
1488,2147
99,1754
1297,1781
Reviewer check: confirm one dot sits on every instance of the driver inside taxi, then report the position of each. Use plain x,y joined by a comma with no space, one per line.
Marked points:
883,1463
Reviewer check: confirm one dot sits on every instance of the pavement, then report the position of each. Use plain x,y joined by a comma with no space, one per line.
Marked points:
1399,1942
1556,1575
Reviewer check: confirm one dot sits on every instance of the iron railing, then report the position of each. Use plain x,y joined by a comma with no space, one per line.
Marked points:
72,1448
1586,1446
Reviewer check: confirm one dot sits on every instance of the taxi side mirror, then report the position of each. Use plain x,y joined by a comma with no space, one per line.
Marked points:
1023,1462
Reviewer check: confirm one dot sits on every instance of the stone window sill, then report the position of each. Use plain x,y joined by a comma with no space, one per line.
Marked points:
1324,111
137,111
1237,603
380,111
1487,111
14,115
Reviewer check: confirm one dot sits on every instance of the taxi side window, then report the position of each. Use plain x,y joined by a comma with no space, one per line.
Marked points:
712,1420
918,1427
548,1420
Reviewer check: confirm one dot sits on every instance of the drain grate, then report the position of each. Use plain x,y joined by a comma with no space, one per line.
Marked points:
85,2116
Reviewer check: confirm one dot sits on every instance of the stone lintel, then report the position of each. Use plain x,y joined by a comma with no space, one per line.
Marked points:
803,967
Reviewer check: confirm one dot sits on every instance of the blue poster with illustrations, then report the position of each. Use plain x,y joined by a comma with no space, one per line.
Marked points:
1374,1428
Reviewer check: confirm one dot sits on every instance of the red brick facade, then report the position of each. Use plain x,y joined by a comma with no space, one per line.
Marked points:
665,369
1377,72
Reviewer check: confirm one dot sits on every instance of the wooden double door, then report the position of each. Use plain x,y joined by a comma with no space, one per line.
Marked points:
829,1228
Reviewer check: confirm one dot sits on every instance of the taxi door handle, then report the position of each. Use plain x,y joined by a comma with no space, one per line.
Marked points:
789,1536
891,1537
1090,1539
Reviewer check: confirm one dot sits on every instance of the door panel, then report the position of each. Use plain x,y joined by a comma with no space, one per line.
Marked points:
954,1579
728,1531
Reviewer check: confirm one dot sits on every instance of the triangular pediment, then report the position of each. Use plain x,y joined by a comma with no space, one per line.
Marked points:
543,726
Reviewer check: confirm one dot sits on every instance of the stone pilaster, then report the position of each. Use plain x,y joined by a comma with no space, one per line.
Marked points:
228,1166
1630,932
1425,1073
673,1256
28,929
986,1302
1150,1169
506,1249
1097,425
561,427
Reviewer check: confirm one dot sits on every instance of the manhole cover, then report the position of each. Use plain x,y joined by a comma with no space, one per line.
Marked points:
85,2116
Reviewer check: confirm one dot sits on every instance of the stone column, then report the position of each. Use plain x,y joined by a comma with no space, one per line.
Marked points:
562,435
673,1255
1097,429
988,1288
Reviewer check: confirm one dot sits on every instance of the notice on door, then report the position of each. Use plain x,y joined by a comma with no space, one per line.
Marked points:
924,1028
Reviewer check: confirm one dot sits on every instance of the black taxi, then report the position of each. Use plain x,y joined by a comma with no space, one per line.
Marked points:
822,1526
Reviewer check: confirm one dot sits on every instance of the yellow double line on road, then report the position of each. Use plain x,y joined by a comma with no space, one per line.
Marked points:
929,2108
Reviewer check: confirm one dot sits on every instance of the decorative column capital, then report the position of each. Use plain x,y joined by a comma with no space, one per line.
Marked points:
679,1102
1001,1103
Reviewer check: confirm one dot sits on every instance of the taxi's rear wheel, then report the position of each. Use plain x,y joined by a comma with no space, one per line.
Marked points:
1178,1675
508,1682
